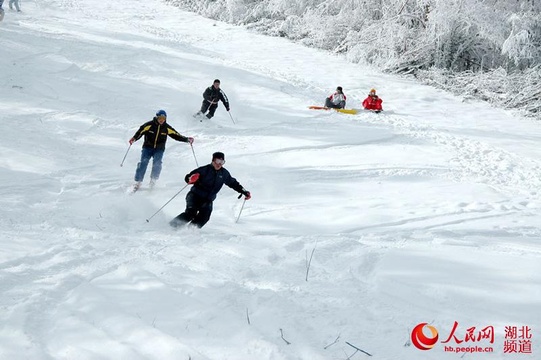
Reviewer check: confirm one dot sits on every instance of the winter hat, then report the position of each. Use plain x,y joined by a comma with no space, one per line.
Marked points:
216,81
339,88
373,91
218,155
161,113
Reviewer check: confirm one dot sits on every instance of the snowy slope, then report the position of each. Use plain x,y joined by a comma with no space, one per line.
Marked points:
428,212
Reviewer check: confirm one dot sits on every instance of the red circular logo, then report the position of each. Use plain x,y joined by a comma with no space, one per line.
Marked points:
420,340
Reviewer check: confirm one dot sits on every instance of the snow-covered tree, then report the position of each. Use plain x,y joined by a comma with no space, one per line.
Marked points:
458,37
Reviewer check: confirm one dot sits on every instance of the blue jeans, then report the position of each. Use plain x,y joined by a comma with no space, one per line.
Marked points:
146,154
16,2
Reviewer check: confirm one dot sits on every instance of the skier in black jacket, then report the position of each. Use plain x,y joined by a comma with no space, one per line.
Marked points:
155,133
211,96
207,181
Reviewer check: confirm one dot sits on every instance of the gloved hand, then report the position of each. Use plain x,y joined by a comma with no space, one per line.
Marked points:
247,195
227,108
193,178
131,141
190,140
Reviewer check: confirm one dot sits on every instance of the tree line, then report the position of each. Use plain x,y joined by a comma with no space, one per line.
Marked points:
487,49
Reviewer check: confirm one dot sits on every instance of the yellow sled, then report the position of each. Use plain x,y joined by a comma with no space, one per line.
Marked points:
343,111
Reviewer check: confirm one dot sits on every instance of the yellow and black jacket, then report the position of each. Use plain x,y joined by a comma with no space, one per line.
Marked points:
156,134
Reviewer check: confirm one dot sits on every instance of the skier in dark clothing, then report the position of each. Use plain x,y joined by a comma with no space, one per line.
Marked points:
155,132
211,96
207,181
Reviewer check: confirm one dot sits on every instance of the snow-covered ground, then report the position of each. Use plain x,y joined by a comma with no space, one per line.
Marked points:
429,212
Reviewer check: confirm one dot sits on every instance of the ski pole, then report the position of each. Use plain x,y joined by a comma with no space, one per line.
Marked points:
174,196
122,163
193,152
242,207
231,116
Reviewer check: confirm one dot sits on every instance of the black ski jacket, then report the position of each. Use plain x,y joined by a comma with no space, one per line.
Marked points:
156,134
214,95
211,181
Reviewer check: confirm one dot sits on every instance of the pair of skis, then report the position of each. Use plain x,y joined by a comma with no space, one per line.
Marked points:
199,115
136,187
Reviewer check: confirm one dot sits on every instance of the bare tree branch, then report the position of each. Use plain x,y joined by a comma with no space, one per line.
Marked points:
331,344
309,261
350,356
282,335
361,350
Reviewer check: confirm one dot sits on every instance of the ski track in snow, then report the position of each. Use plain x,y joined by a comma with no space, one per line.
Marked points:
475,160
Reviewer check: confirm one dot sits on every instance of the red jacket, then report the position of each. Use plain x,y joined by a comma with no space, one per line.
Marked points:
372,103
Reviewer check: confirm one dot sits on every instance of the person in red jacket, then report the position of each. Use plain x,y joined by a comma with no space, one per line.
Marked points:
373,102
